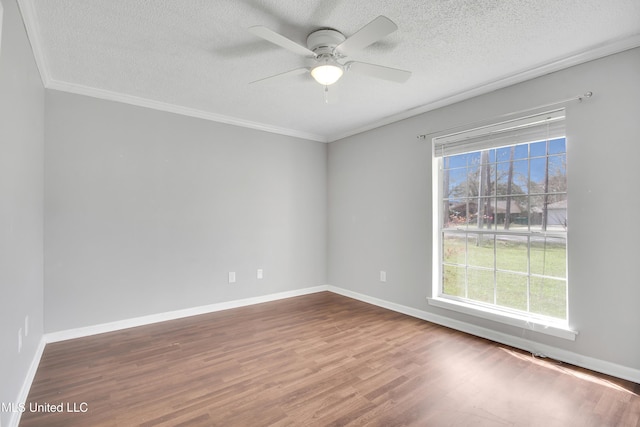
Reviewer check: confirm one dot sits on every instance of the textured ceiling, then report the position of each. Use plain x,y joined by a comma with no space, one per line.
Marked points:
196,57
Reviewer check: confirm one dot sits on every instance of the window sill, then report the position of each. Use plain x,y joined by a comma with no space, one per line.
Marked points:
555,329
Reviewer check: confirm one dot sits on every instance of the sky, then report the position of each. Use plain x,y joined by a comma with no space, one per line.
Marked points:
528,156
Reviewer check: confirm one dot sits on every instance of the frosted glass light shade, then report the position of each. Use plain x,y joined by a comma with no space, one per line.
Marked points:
326,74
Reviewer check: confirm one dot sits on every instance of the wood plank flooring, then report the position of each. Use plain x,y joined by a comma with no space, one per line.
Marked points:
315,360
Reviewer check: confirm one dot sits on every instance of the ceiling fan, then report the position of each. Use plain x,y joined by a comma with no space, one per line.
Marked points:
328,47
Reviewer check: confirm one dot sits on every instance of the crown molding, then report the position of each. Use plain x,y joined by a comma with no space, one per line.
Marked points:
596,52
34,35
178,109
28,12
33,31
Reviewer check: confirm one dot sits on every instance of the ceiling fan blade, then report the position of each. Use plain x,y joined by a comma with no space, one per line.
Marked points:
370,33
378,71
295,72
280,40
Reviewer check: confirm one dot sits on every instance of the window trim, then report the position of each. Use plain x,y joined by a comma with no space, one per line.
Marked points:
549,326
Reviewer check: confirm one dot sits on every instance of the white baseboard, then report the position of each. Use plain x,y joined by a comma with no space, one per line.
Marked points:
598,365
14,420
28,380
171,315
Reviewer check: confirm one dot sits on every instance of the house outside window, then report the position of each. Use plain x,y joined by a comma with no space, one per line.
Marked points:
501,219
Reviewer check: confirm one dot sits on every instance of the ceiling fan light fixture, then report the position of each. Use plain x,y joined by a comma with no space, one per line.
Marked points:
326,46
327,73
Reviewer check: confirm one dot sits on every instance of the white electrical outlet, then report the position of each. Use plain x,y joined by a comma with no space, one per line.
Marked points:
26,325
19,340
232,277
383,276
259,275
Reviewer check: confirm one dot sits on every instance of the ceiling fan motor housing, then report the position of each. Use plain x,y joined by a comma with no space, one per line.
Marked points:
324,41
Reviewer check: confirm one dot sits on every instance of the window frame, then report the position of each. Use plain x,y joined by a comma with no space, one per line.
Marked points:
546,325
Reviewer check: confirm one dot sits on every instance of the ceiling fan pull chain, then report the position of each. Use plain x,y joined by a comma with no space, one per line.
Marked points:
326,94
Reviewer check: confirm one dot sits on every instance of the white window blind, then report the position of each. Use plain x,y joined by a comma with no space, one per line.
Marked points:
543,126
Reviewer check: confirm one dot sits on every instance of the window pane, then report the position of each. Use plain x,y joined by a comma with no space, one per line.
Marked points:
538,169
538,149
508,210
512,253
454,248
557,146
481,285
549,297
455,182
453,281
516,182
491,156
503,154
557,212
520,221
511,290
473,180
491,214
447,213
457,213
519,182
464,160
485,217
520,177
536,210
557,174
480,250
502,178
549,256
522,151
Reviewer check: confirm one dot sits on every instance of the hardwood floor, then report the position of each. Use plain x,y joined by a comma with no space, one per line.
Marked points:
315,360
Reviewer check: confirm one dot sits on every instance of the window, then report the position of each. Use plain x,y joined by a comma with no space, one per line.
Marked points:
501,195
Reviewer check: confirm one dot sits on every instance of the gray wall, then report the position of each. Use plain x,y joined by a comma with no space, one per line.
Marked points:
21,213
147,212
380,213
